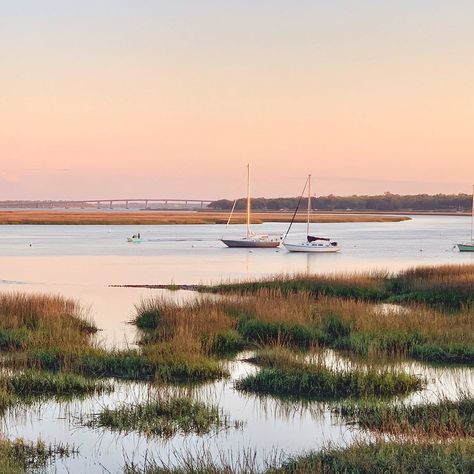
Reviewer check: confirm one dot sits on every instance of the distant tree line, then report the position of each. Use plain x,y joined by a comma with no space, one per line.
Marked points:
381,202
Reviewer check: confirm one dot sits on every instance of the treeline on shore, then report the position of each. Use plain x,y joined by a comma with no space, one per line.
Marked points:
381,202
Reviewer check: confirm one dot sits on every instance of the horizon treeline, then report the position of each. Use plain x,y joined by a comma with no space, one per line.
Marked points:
381,202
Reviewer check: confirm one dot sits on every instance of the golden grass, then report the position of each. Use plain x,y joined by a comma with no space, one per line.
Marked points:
44,320
185,217
273,306
187,330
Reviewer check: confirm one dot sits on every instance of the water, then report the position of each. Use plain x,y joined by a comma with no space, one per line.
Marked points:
82,261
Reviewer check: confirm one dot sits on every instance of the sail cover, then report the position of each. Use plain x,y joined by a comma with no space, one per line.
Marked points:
313,238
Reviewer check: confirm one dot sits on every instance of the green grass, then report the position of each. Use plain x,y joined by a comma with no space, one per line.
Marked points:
226,343
443,353
18,457
336,333
320,383
128,364
385,457
445,418
163,418
292,334
13,339
33,383
147,318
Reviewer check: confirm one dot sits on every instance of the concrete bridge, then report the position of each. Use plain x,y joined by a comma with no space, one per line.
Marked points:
145,203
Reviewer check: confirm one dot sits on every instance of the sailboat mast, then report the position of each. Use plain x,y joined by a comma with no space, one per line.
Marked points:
309,204
248,200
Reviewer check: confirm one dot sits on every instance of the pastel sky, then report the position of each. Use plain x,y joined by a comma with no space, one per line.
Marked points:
171,98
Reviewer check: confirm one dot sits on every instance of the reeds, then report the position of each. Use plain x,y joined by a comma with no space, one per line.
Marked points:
28,321
379,457
19,457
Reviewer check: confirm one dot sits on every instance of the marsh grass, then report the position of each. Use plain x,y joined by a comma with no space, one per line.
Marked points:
28,321
285,374
18,457
151,363
384,457
212,327
443,352
445,418
448,287
163,418
34,384
92,217
380,457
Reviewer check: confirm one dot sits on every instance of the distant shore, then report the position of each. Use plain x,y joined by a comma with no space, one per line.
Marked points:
62,217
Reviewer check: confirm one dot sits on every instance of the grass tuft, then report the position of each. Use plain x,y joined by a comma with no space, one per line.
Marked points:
446,418
163,418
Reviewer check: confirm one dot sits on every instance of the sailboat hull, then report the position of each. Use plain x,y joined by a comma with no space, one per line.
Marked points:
249,243
468,247
310,248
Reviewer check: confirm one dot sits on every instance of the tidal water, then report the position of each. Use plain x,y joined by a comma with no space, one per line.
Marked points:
82,262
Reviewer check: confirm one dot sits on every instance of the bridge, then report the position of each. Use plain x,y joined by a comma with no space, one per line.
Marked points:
127,203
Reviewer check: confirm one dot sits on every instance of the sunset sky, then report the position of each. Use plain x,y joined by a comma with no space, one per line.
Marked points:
171,98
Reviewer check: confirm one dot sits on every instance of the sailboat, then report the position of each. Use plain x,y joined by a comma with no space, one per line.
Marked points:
312,243
469,246
251,239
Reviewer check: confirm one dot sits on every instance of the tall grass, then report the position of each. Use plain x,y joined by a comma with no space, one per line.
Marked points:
212,327
28,321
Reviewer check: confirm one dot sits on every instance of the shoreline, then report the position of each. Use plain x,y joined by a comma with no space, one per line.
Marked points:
41,217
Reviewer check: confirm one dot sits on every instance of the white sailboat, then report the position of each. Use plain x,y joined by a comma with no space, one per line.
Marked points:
312,243
251,239
469,246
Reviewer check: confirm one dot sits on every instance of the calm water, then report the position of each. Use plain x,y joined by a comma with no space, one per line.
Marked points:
82,261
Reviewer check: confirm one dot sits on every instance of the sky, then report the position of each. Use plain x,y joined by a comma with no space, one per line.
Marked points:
171,99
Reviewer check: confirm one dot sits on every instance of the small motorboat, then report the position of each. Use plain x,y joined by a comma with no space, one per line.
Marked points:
134,238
